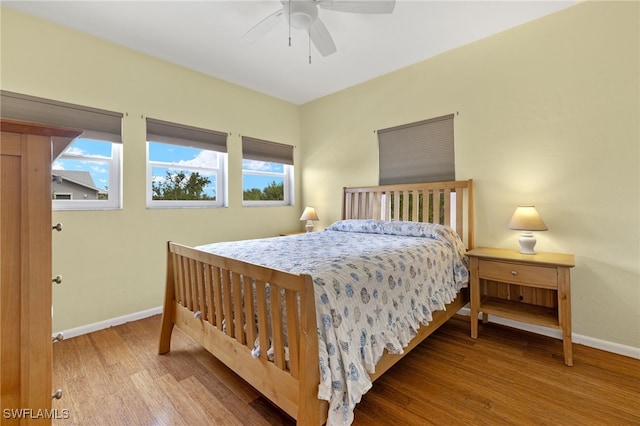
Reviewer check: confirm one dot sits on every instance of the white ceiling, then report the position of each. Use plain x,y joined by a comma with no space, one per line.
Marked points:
207,36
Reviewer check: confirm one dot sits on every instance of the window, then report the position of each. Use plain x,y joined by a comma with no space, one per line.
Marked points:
86,174
417,152
267,173
186,166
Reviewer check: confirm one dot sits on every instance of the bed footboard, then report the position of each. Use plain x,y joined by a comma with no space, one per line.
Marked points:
228,306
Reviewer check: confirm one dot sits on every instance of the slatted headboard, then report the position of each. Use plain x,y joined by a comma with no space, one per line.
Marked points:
447,203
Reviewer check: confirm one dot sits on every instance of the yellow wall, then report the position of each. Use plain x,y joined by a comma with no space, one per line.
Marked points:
548,114
112,262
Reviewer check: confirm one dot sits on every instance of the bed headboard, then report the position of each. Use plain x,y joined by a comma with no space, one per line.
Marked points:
447,203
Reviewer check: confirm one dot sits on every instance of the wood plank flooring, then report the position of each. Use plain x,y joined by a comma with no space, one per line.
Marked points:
506,377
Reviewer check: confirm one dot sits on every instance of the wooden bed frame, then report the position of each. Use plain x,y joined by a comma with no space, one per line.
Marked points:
221,302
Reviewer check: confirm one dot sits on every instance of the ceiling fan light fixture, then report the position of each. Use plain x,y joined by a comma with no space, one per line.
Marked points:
302,14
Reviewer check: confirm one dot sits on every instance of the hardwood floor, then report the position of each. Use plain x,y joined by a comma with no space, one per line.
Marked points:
506,377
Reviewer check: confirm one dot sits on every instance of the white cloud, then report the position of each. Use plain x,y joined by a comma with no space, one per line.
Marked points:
159,179
99,169
208,159
257,165
74,151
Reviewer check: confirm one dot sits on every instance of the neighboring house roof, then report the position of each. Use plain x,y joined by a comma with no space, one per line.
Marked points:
78,177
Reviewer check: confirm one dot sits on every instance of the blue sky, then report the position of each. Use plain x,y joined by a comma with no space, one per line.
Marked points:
97,151
195,156
94,153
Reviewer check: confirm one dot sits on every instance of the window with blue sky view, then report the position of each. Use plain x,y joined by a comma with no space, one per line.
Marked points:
86,176
89,156
166,160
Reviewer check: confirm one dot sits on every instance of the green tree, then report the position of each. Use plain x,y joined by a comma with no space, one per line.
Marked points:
182,186
272,192
429,203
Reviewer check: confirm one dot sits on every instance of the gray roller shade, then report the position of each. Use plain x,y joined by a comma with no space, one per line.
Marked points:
261,150
180,134
96,123
417,152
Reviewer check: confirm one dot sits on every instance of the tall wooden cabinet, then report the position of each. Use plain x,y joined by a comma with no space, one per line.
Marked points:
25,270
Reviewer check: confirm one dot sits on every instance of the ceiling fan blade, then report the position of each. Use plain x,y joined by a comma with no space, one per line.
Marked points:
264,26
359,6
321,38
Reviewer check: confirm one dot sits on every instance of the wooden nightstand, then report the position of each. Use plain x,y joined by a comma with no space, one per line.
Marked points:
530,288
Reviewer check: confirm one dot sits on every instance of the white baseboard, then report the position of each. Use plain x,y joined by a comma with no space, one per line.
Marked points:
604,345
101,325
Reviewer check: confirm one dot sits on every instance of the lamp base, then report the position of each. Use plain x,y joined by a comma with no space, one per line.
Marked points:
527,242
309,226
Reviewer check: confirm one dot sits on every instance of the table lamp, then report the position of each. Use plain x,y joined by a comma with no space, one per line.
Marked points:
527,219
309,214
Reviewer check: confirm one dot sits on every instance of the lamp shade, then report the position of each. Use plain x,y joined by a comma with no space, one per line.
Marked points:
527,218
309,213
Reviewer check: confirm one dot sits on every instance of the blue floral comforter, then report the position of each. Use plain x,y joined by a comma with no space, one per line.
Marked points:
376,283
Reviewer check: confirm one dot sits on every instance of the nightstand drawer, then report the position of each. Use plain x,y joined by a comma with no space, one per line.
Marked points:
540,276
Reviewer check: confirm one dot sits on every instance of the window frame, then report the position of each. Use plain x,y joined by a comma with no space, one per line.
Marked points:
261,150
186,136
220,172
114,202
287,176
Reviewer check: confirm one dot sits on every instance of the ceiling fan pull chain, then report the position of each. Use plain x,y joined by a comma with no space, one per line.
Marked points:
309,32
289,23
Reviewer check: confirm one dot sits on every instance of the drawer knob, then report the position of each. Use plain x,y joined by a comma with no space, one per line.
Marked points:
57,394
514,272
57,279
57,227
57,338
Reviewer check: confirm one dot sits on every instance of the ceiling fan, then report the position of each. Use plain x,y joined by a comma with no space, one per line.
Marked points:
303,14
